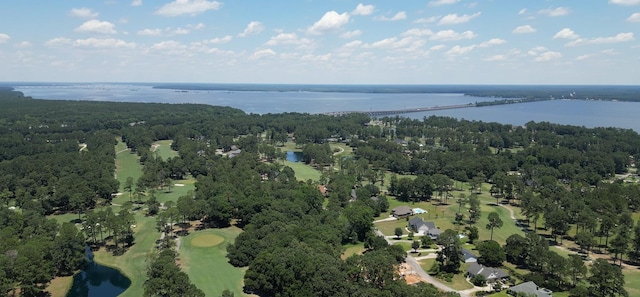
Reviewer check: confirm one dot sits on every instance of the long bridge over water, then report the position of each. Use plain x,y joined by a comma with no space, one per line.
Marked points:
377,113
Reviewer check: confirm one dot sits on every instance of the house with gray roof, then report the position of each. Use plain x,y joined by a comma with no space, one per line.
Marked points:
424,228
490,274
402,211
529,289
469,256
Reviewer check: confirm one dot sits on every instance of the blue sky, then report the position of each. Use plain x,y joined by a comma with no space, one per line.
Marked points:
322,41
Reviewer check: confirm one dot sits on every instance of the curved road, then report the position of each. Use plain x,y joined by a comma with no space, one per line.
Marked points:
428,278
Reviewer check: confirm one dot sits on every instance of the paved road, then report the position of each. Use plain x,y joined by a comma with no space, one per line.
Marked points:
424,275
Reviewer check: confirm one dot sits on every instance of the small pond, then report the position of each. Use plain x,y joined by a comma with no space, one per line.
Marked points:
98,281
294,156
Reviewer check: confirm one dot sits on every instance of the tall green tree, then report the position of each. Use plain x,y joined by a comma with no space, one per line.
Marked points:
606,280
494,222
450,255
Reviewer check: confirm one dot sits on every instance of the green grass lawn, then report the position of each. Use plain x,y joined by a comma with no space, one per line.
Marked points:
163,149
352,249
632,281
127,164
208,267
303,171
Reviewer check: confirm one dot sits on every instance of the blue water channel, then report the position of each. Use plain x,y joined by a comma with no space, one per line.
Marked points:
294,156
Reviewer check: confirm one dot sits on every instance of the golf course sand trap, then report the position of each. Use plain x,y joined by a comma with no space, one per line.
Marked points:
206,240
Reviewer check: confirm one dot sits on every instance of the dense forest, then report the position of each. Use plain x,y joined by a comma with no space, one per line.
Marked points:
58,157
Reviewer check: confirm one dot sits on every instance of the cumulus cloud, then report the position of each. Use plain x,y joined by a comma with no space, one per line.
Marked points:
136,3
555,12
168,45
634,18
261,53
362,9
397,17
220,40
83,13
583,57
58,41
418,32
351,34
449,35
522,11
459,50
103,43
96,26
625,2
190,7
438,47
150,32
252,28
566,33
442,2
492,42
620,37
426,20
526,29
287,39
4,38
330,21
454,18
548,56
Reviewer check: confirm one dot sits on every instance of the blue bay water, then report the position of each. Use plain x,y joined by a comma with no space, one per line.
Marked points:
570,112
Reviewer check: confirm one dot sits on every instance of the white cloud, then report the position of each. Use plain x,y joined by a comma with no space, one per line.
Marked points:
620,37
555,12
330,21
220,40
526,29
168,45
459,50
351,34
454,19
178,31
103,43
316,58
442,2
496,58
449,35
136,2
24,44
397,17
190,7
566,33
198,26
150,32
492,42
262,53
96,26
625,2
4,38
583,57
58,41
634,18
288,39
522,11
548,56
437,47
362,9
83,13
252,28
426,20
534,51
418,32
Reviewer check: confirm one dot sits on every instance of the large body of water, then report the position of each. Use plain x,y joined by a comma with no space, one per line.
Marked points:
570,112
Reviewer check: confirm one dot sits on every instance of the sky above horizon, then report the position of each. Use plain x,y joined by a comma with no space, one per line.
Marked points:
322,41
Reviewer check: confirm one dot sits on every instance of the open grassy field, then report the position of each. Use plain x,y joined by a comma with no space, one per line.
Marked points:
303,171
59,286
163,149
352,249
632,281
127,164
203,258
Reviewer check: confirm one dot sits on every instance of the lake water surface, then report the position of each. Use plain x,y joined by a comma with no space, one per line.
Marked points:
570,112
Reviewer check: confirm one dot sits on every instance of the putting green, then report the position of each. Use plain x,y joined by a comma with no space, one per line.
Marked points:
206,240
